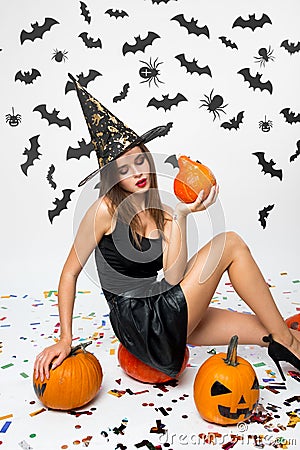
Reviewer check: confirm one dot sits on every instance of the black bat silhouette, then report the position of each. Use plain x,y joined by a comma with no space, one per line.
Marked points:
191,66
123,93
263,214
52,117
172,160
290,116
31,153
255,82
252,22
83,80
37,30
116,13
297,152
61,204
27,77
291,48
267,166
191,26
228,42
233,123
50,178
84,149
140,44
85,12
166,103
90,42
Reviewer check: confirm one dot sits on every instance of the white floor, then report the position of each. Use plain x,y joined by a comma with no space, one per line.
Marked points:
28,322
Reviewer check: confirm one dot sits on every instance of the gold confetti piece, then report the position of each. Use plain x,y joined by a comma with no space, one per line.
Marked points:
114,341
112,351
283,273
116,393
35,413
6,417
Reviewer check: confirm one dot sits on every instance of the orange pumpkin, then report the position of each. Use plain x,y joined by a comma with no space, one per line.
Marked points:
140,371
191,179
73,383
293,322
226,388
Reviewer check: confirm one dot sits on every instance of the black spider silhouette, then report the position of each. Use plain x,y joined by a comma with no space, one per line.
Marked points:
150,72
13,119
214,104
60,55
264,56
265,125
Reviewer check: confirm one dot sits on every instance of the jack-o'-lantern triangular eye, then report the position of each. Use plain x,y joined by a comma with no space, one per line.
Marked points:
255,384
219,389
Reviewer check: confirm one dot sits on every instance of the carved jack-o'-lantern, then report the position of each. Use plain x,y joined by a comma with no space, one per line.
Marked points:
191,179
226,388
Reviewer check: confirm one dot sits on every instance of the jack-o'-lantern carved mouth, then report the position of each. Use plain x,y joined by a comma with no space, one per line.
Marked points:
225,412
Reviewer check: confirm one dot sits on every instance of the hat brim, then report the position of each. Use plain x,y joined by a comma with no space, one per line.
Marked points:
146,137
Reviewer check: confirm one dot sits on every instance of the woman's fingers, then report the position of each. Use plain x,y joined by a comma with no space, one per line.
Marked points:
44,360
212,196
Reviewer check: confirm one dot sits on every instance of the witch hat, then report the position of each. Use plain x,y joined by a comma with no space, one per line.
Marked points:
109,135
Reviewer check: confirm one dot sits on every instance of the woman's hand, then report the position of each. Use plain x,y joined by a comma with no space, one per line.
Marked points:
43,360
198,205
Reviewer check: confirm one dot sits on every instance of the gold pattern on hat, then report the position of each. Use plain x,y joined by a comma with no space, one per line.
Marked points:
112,118
112,129
96,119
98,104
101,162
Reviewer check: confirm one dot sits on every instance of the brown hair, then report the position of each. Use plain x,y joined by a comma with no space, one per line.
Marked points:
110,188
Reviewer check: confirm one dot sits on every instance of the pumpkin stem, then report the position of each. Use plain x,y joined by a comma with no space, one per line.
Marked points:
231,358
80,346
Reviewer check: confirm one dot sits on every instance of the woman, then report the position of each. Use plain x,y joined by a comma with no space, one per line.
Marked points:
134,237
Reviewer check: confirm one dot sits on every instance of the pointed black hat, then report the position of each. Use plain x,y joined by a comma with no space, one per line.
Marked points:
109,135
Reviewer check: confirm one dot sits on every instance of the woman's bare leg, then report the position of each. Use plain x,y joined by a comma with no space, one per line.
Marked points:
219,325
249,284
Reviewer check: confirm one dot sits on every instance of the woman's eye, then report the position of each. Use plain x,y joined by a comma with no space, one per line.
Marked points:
123,171
139,161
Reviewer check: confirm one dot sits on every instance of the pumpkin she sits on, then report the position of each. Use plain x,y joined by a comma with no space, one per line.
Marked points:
226,388
191,179
140,371
73,383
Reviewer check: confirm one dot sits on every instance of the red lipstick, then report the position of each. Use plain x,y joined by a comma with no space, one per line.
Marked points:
141,183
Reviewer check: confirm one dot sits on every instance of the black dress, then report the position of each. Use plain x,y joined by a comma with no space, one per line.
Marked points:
148,316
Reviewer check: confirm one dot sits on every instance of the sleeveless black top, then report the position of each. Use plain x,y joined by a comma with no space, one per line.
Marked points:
122,265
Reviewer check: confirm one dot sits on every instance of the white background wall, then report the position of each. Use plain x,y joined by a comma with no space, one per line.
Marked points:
32,249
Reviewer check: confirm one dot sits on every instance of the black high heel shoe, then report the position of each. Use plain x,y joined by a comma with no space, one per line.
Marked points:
279,352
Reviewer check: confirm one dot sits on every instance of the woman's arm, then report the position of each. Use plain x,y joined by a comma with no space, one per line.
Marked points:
95,223
175,251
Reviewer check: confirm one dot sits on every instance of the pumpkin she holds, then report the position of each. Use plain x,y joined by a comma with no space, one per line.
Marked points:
226,388
74,383
191,179
140,371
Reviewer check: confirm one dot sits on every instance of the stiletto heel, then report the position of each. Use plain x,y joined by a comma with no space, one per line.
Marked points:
280,369
279,352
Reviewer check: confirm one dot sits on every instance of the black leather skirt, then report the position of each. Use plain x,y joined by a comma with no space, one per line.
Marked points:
152,324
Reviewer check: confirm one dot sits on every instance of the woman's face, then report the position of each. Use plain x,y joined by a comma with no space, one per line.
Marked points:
133,171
